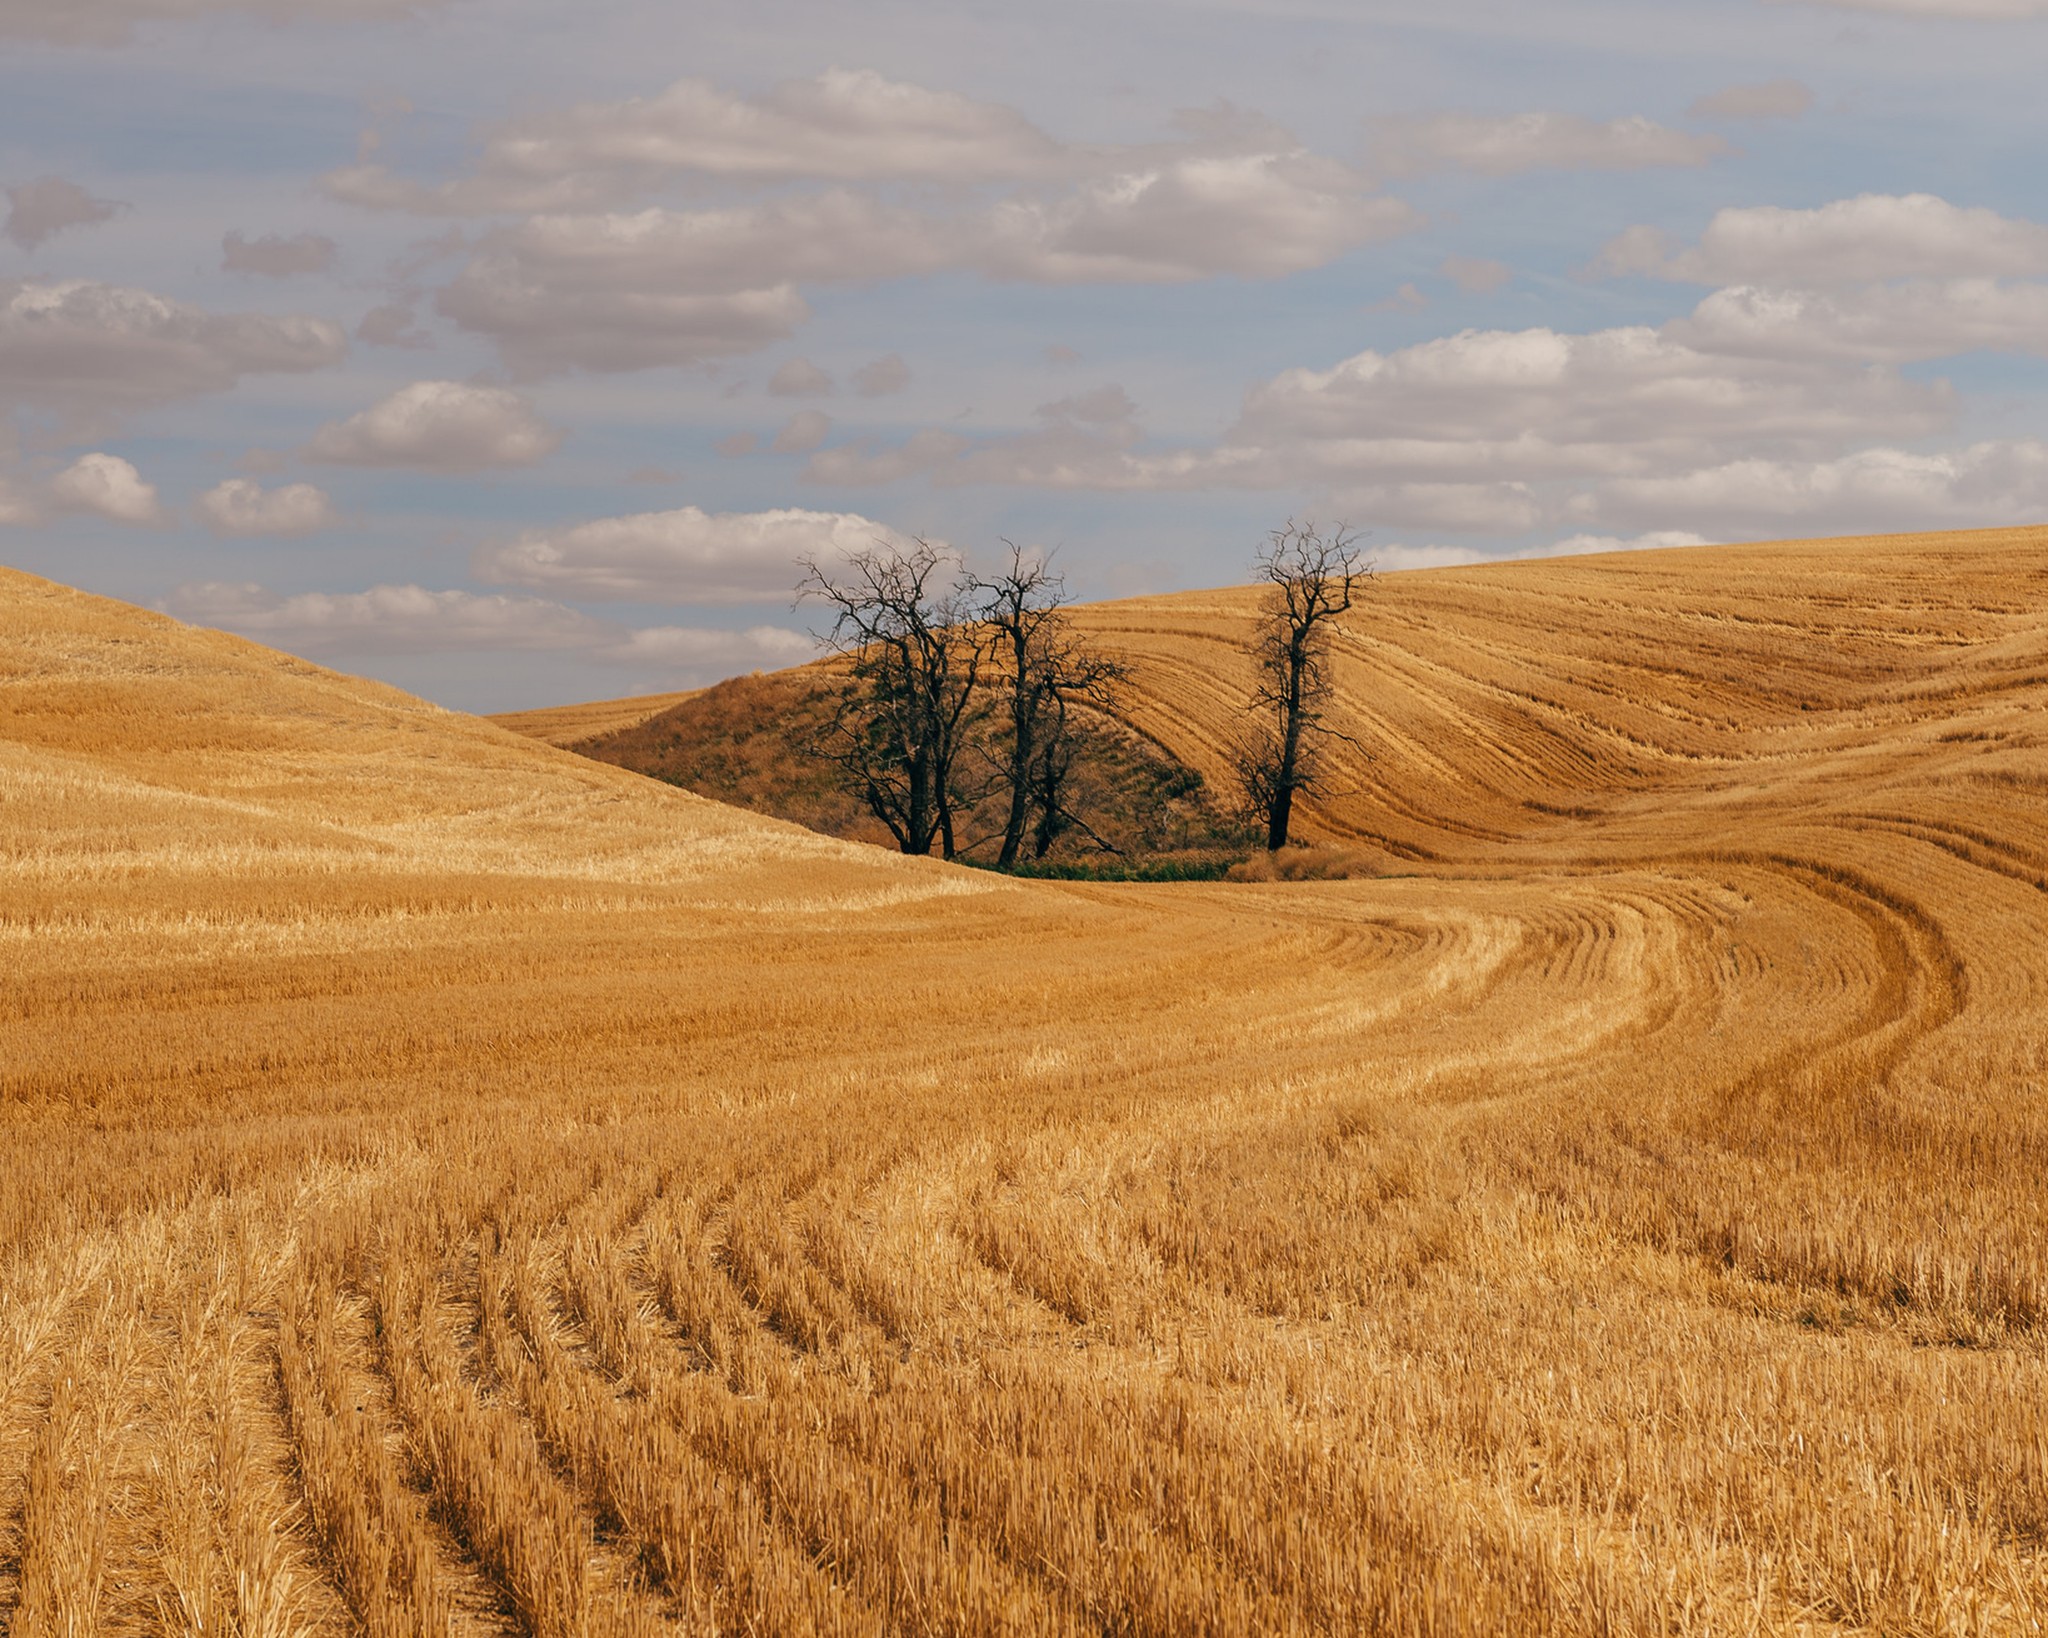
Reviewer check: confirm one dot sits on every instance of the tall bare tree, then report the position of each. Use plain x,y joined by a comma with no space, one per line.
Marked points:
1044,669
1312,578
905,618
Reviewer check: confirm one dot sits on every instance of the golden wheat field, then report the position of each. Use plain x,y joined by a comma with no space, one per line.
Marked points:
454,1186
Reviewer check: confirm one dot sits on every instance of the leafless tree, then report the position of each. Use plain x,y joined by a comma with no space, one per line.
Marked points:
1044,669
1312,578
905,618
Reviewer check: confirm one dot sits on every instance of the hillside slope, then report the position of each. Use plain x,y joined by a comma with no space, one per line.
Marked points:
454,1184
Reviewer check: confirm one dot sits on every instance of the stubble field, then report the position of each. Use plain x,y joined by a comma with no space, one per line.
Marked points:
451,1185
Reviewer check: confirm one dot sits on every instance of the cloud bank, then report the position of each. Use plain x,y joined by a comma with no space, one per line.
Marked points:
681,556
440,426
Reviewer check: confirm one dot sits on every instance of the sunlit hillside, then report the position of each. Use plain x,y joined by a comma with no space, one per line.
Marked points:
455,1185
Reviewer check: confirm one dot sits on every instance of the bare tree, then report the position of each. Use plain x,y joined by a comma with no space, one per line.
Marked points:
1313,577
1045,669
917,649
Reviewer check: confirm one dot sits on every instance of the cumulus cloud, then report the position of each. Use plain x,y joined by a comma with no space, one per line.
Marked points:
48,205
1895,323
804,432
1540,403
112,22
411,619
1850,241
440,426
1256,215
552,306
277,257
243,507
799,378
108,487
1772,99
1999,482
701,650
1458,432
658,286
584,281
842,126
389,619
681,556
88,349
1582,545
882,377
1507,145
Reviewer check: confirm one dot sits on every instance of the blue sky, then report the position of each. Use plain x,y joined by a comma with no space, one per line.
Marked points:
513,352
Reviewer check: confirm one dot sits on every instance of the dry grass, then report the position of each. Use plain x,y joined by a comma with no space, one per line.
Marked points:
569,724
455,1186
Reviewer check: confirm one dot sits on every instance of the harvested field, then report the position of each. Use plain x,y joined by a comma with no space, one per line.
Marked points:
454,1185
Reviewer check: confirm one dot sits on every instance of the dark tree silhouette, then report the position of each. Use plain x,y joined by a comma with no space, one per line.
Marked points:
1042,668
1312,578
905,618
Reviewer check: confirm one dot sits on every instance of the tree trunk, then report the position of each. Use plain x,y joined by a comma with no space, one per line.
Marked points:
1278,814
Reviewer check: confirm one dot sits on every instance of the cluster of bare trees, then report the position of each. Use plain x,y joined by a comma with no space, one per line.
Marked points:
962,687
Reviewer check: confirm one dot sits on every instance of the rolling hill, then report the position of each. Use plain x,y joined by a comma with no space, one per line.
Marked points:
458,1185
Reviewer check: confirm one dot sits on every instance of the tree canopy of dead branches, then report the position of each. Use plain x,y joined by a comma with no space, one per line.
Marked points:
960,687
1312,578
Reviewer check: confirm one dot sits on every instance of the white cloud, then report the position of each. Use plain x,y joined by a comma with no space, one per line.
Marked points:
1469,508
882,377
243,507
581,282
1450,432
1584,545
1256,215
48,205
657,286
799,378
107,486
440,426
567,294
1394,558
701,651
389,619
1772,99
1534,404
94,349
805,431
1850,241
277,257
844,125
112,22
1506,145
410,619
1882,489
681,556
1894,323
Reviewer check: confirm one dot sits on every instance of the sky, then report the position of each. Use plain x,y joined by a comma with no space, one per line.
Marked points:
515,353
